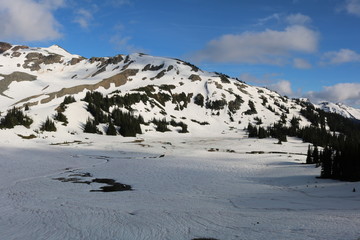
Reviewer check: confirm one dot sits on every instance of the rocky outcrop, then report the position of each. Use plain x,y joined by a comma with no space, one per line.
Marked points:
16,54
115,60
16,48
34,60
4,47
118,80
195,77
105,62
150,67
75,61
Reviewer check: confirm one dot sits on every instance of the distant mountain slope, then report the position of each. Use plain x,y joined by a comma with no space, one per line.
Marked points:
341,109
147,86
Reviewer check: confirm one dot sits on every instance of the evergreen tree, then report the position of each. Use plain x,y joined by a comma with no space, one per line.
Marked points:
61,118
179,124
111,130
252,109
252,131
128,123
262,133
294,126
309,159
48,125
90,127
15,117
69,99
315,155
162,125
326,163
282,138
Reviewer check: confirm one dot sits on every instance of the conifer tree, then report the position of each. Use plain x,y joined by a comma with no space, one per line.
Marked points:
111,130
61,118
326,163
309,154
315,155
90,127
48,125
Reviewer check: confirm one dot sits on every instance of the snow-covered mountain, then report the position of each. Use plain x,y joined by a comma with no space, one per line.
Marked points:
165,88
339,108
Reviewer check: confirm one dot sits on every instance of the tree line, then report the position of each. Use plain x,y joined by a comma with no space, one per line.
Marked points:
338,137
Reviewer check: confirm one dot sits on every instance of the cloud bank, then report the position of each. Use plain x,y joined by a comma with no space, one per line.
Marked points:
29,20
282,87
340,57
348,93
353,7
301,63
267,47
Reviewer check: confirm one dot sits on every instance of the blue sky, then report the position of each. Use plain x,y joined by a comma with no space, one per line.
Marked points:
300,48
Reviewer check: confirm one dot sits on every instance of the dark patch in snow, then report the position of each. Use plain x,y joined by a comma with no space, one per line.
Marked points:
112,185
150,67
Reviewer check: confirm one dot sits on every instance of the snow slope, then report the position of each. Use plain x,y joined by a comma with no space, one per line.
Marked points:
183,188
346,111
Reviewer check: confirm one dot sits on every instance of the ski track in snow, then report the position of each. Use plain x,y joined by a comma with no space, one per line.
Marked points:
180,191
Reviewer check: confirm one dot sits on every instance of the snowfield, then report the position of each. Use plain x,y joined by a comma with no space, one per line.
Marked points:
184,187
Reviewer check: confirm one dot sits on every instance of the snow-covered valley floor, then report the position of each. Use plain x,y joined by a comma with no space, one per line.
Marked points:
183,188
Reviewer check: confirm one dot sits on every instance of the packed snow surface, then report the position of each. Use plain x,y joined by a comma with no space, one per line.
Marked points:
184,187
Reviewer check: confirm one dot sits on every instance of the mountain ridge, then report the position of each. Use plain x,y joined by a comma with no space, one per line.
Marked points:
176,90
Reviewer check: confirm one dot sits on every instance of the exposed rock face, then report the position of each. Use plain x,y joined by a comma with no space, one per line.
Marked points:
117,80
195,77
115,60
16,48
105,62
33,60
4,47
16,54
97,59
75,61
150,67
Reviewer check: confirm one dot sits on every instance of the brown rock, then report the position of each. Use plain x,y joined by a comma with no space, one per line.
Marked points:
16,48
4,47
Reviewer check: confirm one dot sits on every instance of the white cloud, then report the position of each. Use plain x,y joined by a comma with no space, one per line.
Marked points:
283,87
272,82
267,47
118,3
353,7
53,4
83,17
339,57
298,19
29,20
121,43
263,21
301,63
348,93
